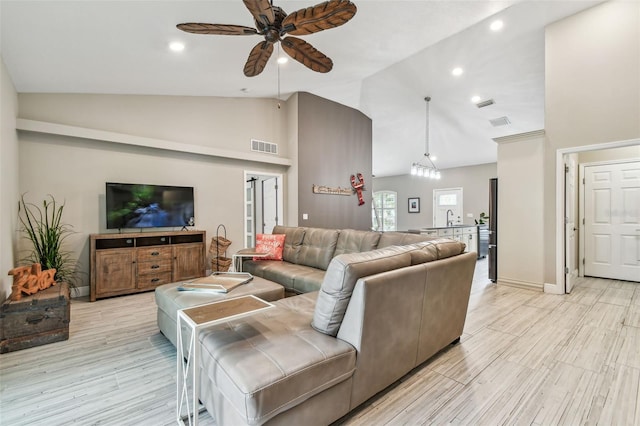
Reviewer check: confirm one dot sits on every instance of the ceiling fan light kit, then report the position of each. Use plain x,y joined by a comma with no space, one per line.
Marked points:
275,25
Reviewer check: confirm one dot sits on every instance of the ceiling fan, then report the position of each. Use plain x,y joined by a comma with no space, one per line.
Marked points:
274,24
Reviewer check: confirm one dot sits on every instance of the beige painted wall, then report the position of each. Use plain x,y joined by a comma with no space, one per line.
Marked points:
520,210
227,123
8,178
473,179
75,170
612,154
592,92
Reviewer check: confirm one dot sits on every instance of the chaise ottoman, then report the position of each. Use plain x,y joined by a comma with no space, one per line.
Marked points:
169,300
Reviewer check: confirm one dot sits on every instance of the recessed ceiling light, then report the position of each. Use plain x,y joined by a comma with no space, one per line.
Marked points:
496,25
457,71
176,46
475,99
283,60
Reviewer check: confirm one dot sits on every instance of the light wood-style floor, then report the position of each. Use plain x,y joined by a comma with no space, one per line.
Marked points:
525,358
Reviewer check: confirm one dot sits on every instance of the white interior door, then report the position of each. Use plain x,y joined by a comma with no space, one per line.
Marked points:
447,203
249,213
269,204
612,221
264,204
570,211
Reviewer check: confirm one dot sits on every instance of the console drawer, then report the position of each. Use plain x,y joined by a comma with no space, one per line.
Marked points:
155,267
153,254
153,280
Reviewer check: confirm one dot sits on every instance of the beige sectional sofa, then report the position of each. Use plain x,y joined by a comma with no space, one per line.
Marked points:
315,356
308,251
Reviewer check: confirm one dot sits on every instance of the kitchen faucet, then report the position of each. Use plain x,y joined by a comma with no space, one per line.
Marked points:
449,222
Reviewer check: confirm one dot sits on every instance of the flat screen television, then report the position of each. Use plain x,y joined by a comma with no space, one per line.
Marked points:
132,205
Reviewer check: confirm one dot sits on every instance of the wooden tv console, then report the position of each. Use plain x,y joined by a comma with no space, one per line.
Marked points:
141,261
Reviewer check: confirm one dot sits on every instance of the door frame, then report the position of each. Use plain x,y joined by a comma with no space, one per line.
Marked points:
571,207
559,287
280,198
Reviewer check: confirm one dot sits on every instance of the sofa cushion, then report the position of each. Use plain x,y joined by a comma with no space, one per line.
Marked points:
317,247
401,239
308,280
258,268
292,241
287,273
352,241
422,252
341,277
270,362
428,251
448,248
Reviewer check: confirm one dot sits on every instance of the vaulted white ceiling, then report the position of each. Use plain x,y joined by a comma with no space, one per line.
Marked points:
386,60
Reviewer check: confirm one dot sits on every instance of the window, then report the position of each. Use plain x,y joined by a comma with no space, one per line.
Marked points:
384,211
448,200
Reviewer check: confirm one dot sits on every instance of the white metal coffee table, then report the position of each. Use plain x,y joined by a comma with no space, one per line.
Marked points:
245,253
198,318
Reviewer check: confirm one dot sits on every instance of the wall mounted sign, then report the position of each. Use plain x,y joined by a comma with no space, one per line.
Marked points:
321,189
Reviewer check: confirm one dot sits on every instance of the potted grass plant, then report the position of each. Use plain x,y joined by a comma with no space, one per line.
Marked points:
43,226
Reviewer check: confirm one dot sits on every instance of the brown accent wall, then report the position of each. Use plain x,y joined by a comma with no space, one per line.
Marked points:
334,142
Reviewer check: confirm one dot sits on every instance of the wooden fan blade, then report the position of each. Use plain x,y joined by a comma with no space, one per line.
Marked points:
320,17
219,29
306,54
258,58
262,12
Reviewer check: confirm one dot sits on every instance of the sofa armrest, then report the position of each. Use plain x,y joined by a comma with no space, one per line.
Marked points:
398,319
382,323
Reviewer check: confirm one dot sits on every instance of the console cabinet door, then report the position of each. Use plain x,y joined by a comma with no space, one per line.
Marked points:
115,271
188,261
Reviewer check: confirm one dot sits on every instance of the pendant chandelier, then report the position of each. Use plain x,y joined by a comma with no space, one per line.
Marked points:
425,167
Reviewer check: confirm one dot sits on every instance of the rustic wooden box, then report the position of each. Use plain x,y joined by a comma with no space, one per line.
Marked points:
35,320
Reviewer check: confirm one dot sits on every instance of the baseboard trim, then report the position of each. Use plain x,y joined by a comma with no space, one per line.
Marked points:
79,292
527,285
552,289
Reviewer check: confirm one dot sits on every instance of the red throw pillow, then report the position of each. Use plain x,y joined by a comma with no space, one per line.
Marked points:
269,243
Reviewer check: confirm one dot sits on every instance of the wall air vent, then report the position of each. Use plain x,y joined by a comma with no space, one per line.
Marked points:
261,146
485,103
500,121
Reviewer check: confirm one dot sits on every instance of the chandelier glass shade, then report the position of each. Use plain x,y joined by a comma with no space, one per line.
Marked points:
425,167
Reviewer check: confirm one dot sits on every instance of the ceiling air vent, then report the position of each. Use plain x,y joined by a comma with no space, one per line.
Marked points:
261,146
485,103
500,121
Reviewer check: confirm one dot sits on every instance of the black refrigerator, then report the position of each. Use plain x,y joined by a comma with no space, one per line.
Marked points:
493,229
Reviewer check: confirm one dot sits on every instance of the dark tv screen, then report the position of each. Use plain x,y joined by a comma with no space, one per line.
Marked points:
148,206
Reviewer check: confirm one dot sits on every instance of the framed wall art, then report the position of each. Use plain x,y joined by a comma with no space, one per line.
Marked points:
414,205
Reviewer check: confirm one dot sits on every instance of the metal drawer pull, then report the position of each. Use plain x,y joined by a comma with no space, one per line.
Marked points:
155,280
155,253
155,266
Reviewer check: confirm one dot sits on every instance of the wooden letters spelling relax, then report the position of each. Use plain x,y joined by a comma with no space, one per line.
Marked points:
30,279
